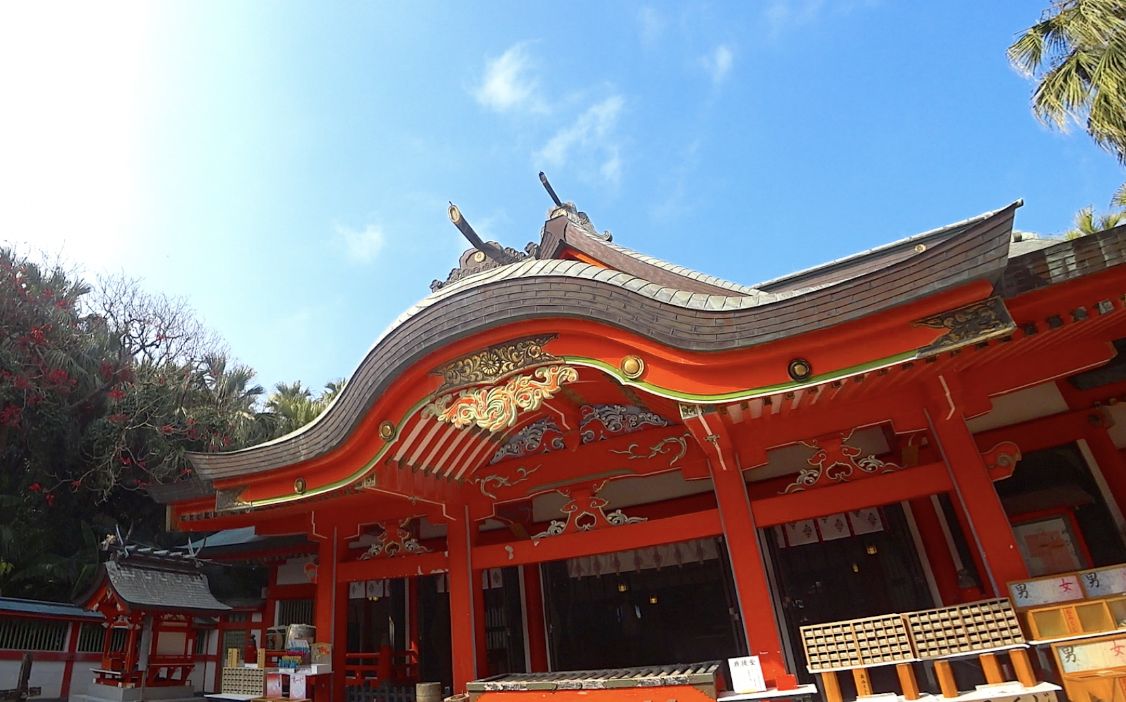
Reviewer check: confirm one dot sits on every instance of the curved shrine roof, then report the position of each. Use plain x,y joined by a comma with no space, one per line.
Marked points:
672,305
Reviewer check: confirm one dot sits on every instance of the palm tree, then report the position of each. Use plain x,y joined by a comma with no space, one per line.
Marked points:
292,406
232,394
1077,51
332,389
1086,223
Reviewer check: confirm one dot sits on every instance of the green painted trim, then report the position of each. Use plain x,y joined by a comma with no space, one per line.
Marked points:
735,395
351,478
746,394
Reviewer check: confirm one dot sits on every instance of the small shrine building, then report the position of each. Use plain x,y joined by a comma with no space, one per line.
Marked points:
153,597
579,456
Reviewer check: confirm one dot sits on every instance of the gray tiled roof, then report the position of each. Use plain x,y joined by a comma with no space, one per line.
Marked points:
159,589
700,318
13,605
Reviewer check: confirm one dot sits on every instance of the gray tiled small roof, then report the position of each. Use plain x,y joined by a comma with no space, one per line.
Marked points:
159,589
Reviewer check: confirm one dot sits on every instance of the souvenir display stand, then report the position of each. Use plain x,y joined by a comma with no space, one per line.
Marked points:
982,629
302,676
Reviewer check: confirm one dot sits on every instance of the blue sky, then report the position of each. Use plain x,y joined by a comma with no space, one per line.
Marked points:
285,166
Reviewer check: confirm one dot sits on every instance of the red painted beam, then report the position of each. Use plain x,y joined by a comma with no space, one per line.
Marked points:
683,527
395,567
1066,358
1044,432
620,456
754,437
906,484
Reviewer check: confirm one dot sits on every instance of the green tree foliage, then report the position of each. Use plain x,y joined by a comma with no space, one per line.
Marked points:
1087,223
292,405
103,389
1077,54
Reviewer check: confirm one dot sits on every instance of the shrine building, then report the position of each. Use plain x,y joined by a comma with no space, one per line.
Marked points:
578,456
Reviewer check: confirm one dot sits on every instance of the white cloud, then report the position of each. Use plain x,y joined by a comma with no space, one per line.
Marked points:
361,245
611,169
590,139
509,82
652,25
718,63
782,15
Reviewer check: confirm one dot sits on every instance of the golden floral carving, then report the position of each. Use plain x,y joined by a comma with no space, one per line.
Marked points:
495,362
973,322
496,408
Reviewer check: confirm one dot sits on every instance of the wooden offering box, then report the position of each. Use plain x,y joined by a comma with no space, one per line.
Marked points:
1081,618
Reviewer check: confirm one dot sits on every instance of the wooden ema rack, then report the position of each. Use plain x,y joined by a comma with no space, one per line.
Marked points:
983,629
980,628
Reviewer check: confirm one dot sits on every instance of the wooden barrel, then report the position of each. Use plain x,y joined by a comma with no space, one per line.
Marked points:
428,692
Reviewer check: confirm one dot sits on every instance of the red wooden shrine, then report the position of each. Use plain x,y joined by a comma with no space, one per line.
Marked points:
155,596
578,403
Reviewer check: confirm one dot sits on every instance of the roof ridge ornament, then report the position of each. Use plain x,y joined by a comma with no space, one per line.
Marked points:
485,255
571,212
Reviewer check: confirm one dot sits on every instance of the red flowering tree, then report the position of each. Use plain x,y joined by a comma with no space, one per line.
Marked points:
102,391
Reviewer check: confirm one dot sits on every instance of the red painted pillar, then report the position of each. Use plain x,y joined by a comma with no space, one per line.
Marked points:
755,603
459,545
973,488
1110,461
937,549
534,612
330,606
131,645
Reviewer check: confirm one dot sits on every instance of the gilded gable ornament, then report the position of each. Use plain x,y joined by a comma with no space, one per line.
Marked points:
835,461
497,407
586,511
974,322
395,540
495,362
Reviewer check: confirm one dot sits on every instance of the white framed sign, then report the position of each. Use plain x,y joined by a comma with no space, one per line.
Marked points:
746,675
